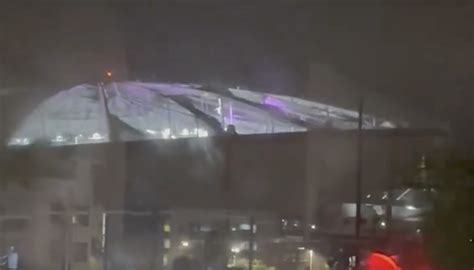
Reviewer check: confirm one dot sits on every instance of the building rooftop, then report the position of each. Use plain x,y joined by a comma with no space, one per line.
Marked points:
126,111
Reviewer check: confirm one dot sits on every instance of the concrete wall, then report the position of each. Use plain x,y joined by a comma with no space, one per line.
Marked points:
286,175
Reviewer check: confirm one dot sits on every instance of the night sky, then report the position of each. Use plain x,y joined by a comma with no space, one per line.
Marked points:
409,60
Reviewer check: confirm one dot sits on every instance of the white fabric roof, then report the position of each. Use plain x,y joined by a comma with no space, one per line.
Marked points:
135,110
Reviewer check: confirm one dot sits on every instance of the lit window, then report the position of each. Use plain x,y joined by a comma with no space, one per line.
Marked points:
167,243
205,228
244,227
165,259
167,228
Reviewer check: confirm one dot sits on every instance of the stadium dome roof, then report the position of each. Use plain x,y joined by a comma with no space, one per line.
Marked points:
135,111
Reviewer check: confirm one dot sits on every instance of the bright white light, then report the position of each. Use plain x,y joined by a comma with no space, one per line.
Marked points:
77,138
383,224
235,250
368,196
388,124
166,133
313,226
202,133
244,227
185,132
219,108
96,136
403,194
167,243
150,131
59,139
104,230
410,207
185,243
20,141
234,229
418,230
300,248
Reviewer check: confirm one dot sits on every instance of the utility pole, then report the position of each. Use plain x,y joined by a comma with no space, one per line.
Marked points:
359,169
252,241
358,189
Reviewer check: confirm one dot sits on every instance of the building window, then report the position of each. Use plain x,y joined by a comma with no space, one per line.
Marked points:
165,260
244,227
166,228
96,247
79,252
205,228
194,227
15,225
57,219
81,219
166,243
57,207
56,250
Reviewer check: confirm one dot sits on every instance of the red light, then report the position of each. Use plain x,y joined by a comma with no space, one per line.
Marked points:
378,261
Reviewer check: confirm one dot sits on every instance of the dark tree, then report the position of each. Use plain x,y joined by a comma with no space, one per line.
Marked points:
449,225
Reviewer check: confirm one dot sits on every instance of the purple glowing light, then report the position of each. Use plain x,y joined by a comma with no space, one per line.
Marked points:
276,103
231,113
